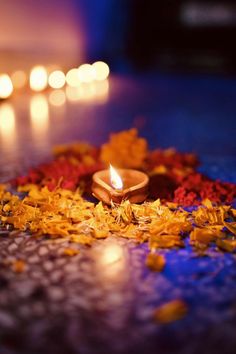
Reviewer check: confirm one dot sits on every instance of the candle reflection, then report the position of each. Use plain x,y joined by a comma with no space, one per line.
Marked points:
7,125
102,91
111,262
96,92
111,253
57,98
72,93
87,91
39,116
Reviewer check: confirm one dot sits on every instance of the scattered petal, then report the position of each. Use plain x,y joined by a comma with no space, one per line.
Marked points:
171,311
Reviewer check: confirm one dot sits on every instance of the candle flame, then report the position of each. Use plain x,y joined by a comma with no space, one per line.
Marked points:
6,87
115,178
38,78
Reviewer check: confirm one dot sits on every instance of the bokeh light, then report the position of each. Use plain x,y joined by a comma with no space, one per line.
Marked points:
73,93
86,73
40,123
39,110
102,91
19,79
57,98
6,87
111,253
87,92
72,78
38,78
111,264
7,120
101,70
57,79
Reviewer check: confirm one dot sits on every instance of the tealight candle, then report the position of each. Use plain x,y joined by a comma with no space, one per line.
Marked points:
115,186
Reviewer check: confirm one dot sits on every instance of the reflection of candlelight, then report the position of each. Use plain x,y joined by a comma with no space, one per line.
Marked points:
39,114
96,92
111,254
7,125
38,78
115,179
6,86
7,120
111,263
102,91
84,92
57,98
73,93
87,92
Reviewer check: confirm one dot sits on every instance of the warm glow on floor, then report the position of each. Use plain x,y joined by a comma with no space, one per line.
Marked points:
6,86
57,98
87,91
7,120
86,73
57,79
111,253
38,78
101,70
39,112
102,91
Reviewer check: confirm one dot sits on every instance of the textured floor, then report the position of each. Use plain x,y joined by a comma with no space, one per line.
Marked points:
89,303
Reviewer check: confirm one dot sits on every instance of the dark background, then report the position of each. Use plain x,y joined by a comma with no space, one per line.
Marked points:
189,36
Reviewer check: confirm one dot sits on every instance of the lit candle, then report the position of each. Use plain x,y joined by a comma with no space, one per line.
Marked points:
38,79
114,186
6,87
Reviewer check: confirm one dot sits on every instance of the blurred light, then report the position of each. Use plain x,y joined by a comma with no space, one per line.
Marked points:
111,264
19,79
111,254
57,98
87,91
57,79
38,78
102,91
86,73
73,93
39,113
101,70
7,121
72,78
6,87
